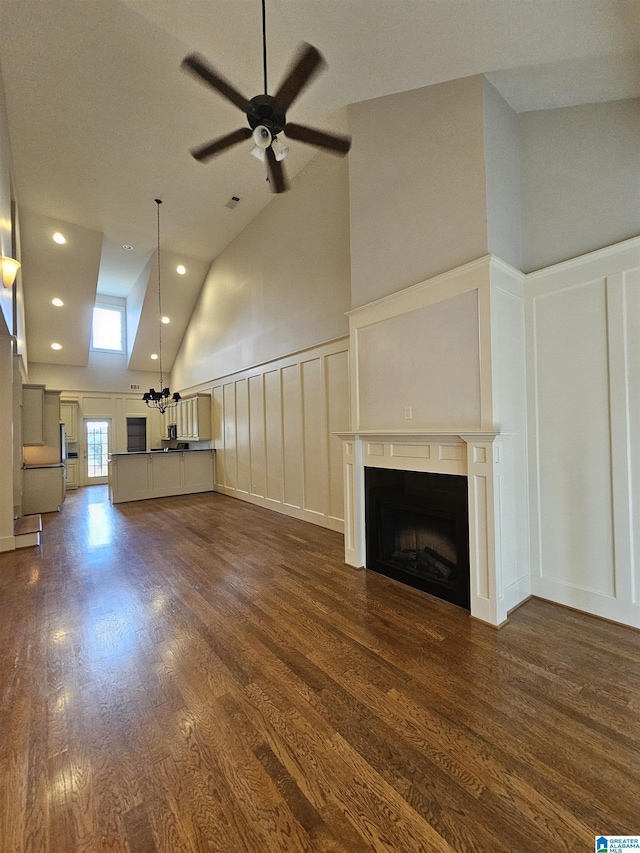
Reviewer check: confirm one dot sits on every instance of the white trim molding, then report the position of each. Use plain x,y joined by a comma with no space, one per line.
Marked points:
476,455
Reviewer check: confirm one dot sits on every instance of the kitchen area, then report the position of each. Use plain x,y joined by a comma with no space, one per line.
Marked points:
71,441
182,465
44,455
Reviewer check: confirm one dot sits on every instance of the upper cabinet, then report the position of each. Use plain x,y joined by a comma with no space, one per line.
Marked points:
69,417
193,418
32,414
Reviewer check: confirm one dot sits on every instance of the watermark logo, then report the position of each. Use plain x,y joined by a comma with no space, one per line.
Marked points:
617,843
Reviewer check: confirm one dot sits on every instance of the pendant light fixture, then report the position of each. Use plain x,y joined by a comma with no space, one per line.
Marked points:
162,399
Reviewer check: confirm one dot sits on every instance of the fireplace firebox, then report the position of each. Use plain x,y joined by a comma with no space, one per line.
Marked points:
417,530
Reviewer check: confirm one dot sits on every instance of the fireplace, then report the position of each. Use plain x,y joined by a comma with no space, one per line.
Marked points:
417,530
474,459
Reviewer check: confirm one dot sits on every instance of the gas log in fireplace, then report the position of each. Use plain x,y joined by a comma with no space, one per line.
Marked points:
417,530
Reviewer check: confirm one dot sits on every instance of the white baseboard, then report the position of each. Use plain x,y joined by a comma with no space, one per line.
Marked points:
336,524
605,606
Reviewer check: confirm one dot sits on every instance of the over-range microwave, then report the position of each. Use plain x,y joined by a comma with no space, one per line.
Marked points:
172,431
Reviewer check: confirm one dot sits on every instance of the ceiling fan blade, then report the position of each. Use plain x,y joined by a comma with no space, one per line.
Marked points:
277,177
204,152
305,66
199,67
332,142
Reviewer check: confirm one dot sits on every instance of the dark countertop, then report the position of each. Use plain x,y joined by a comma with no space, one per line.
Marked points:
35,467
159,452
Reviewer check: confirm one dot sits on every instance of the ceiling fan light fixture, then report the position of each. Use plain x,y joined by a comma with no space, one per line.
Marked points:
279,149
266,114
262,136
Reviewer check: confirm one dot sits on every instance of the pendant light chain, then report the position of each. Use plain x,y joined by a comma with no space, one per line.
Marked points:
161,399
264,45
158,203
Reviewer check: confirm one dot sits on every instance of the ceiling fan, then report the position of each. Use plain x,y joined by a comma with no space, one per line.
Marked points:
266,114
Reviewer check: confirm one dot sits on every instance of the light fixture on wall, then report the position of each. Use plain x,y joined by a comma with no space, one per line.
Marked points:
162,399
10,268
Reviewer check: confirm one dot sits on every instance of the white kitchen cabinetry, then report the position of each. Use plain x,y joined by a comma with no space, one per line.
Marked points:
166,418
193,418
72,474
69,417
42,489
32,414
138,476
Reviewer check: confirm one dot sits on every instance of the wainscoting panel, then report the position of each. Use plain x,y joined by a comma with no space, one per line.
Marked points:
314,424
583,332
292,435
257,436
273,434
273,424
336,377
243,457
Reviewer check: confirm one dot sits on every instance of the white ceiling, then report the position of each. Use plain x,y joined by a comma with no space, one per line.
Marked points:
101,118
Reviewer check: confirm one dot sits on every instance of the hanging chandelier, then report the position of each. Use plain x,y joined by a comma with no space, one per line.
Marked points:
162,399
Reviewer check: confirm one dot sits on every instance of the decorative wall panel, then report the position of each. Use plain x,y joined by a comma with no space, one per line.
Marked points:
583,333
274,425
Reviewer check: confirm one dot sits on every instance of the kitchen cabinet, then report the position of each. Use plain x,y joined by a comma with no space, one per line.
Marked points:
193,418
72,474
32,415
165,420
42,489
69,417
138,476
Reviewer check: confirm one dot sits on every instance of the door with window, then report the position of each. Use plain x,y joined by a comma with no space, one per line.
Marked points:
96,434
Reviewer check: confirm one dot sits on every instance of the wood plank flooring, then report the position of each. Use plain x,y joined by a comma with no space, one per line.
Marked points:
198,674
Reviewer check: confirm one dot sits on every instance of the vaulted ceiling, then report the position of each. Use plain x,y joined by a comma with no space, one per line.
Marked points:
101,120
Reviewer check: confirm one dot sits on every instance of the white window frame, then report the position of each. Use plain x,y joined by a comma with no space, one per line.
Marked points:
123,325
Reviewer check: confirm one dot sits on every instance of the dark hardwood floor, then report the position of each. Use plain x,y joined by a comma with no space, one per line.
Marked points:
198,674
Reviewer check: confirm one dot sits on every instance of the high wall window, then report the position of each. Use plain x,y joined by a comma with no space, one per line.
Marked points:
108,330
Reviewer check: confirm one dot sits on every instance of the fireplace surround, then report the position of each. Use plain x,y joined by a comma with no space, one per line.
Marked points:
437,385
478,456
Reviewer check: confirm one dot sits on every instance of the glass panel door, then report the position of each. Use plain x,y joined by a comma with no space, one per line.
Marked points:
97,451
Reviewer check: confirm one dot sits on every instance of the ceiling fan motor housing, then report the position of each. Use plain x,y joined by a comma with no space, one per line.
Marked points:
263,111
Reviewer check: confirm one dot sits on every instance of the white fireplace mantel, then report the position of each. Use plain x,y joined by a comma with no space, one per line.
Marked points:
475,454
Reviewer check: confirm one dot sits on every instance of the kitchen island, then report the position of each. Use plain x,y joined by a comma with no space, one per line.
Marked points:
158,474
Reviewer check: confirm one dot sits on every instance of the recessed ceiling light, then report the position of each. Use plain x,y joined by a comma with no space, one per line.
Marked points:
127,247
182,270
56,346
57,302
166,320
59,238
154,355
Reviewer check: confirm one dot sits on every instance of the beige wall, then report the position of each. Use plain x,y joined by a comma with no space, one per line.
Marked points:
502,168
279,287
417,186
105,372
580,180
